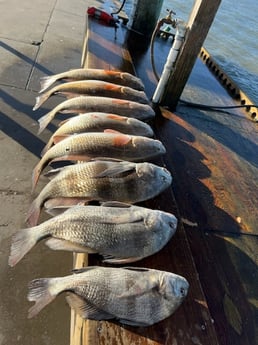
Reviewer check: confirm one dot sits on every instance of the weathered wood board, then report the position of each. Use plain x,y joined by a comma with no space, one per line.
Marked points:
192,322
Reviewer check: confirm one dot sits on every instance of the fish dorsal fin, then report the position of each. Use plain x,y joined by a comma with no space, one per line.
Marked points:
119,260
83,269
138,269
85,309
115,204
117,169
64,202
106,159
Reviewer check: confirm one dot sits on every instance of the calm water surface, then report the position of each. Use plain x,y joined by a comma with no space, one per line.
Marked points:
232,39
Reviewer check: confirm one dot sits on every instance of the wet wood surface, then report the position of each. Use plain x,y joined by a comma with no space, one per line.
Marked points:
213,159
192,322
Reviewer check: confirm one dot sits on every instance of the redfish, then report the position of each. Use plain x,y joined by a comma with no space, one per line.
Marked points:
131,295
98,122
86,104
93,88
117,77
100,181
86,146
121,233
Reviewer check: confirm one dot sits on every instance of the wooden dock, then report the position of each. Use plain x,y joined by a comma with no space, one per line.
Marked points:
214,195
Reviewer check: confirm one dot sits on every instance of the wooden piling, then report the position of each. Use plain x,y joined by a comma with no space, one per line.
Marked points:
198,25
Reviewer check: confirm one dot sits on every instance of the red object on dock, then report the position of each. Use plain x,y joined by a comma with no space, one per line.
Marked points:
101,15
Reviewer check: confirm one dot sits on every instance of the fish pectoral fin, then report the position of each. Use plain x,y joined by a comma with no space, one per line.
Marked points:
59,137
56,211
111,131
117,169
117,117
121,139
69,95
61,244
85,309
53,172
113,260
64,202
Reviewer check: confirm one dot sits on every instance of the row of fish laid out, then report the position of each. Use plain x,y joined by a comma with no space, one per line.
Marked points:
114,146
121,93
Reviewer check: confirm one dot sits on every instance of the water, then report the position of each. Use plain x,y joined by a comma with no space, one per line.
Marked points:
232,39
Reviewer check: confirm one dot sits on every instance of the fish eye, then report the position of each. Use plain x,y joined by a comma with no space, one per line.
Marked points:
182,291
67,149
171,224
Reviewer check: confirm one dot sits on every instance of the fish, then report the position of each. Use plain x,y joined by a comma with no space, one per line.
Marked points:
85,146
121,233
98,122
117,77
98,180
134,296
86,104
92,88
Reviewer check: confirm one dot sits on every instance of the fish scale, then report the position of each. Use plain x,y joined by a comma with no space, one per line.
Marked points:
102,181
118,231
85,146
104,293
99,122
84,104
93,88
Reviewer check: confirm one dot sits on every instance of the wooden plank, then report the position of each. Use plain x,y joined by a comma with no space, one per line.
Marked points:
215,185
215,168
192,322
198,25
77,324
227,266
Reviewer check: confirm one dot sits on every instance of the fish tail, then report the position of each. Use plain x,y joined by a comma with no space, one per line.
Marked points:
39,292
44,120
47,81
36,173
41,99
33,213
22,242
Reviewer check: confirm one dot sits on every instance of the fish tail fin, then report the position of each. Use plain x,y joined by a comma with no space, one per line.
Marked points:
39,292
44,120
47,81
41,99
22,243
36,173
33,213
